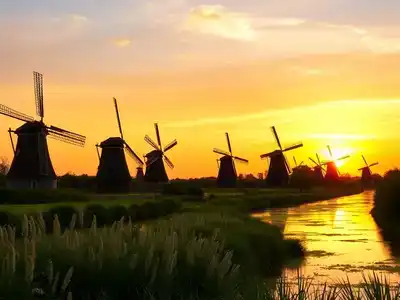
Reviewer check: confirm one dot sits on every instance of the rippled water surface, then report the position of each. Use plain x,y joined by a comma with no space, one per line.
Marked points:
340,236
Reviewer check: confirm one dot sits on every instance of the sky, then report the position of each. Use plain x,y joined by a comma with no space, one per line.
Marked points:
321,71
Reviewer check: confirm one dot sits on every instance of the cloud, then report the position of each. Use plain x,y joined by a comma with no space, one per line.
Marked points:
218,21
122,42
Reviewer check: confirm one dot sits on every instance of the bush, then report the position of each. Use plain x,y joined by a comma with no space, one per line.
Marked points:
180,189
64,214
387,195
117,212
102,215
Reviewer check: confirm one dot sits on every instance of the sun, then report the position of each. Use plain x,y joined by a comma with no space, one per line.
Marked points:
338,152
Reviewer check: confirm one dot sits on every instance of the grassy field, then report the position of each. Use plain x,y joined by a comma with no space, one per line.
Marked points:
184,257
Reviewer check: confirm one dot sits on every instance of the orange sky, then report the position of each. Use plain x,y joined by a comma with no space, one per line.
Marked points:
204,70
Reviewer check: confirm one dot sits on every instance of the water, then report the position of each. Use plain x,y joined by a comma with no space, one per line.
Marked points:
340,236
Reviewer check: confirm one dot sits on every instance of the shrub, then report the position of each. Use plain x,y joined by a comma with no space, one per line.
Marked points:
117,212
102,215
64,214
387,195
133,212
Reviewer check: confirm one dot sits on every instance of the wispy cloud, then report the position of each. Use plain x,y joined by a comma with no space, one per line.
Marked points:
218,21
122,42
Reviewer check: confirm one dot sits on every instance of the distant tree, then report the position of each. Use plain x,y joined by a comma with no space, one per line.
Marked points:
302,178
4,166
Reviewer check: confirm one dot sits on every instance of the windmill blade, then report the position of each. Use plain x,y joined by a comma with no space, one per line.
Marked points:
243,160
330,151
267,155
365,161
319,161
118,118
229,142
276,137
168,162
158,135
65,138
343,157
97,150
222,152
170,145
67,133
374,164
294,147
301,163
287,164
317,164
295,162
133,155
11,139
4,110
38,87
360,169
151,142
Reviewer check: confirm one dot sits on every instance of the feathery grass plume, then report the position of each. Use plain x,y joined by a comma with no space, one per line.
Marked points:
56,226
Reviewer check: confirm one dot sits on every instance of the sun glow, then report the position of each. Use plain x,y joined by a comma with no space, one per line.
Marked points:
337,153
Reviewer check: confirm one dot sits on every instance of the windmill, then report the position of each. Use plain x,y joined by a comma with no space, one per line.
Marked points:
279,169
31,166
332,172
113,174
155,169
318,169
227,170
139,171
296,166
366,174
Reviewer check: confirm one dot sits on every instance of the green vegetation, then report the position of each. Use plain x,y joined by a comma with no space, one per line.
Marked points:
184,257
180,258
387,207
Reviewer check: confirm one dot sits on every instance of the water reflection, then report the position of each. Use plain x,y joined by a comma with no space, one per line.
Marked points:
340,235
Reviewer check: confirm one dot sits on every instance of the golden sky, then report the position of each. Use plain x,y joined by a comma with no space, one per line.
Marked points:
323,75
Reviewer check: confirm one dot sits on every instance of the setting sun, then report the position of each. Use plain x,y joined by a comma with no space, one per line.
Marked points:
337,153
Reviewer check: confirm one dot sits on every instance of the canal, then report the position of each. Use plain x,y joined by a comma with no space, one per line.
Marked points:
340,236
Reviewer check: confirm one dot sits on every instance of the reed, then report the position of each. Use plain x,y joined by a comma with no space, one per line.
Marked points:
165,259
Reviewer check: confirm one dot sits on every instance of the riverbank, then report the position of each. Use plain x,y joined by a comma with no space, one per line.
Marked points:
187,256
386,209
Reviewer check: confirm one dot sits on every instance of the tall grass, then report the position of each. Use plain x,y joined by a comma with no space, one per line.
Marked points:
168,259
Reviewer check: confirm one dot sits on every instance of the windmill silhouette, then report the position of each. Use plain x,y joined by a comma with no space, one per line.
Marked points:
366,174
155,169
279,169
227,175
332,172
139,171
296,166
318,169
113,174
31,166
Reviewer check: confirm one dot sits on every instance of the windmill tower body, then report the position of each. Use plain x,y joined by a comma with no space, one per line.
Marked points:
31,166
227,175
227,172
318,174
278,173
331,171
366,174
279,169
155,172
113,173
139,174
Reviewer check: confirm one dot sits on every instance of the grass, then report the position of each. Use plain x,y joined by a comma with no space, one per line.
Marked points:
188,256
178,258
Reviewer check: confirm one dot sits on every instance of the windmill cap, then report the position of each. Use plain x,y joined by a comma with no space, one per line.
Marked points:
112,142
31,127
